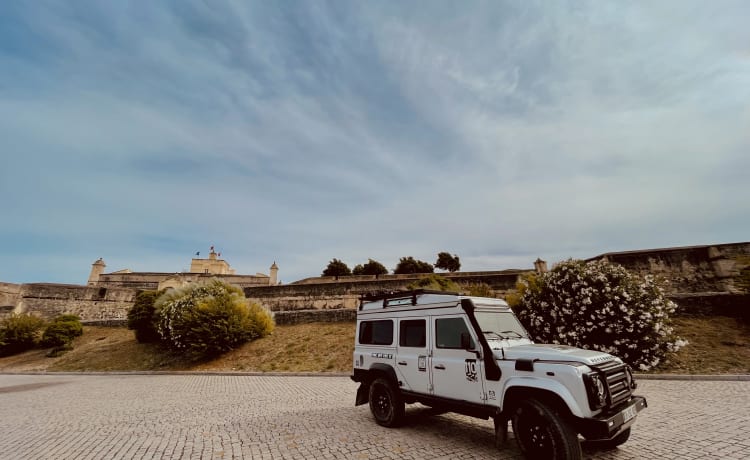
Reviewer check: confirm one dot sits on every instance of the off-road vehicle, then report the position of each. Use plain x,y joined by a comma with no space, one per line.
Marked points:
472,356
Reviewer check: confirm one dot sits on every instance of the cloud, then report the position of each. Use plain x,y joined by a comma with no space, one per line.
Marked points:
500,131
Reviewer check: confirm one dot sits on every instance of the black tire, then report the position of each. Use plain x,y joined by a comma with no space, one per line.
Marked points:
386,404
542,433
609,444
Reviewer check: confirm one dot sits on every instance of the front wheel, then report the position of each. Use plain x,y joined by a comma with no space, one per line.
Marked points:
386,404
541,432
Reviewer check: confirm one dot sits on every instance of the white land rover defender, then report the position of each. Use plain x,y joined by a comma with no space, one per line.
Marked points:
471,355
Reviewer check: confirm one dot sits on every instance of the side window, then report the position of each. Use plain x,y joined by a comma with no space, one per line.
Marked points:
412,333
448,332
376,332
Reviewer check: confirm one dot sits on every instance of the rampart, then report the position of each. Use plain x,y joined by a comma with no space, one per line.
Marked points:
150,281
712,279
344,292
692,269
50,300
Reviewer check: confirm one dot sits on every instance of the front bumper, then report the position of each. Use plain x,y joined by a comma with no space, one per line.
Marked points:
609,424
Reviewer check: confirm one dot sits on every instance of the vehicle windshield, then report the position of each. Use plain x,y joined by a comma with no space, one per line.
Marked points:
504,325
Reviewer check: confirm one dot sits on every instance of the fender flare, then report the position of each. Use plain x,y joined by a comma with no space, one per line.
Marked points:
363,392
549,386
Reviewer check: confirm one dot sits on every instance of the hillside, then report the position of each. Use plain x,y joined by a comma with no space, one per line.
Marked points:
718,345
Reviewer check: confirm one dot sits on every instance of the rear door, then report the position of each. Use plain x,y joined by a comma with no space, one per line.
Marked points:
412,354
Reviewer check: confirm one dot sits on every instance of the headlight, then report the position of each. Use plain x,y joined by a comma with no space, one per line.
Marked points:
596,389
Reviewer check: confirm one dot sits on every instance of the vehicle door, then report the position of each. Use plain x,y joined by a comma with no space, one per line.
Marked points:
412,354
456,371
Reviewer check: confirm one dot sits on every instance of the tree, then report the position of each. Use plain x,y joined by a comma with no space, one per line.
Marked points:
372,267
445,261
408,265
336,268
602,306
141,317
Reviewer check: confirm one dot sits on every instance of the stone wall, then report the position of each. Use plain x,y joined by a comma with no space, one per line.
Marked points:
150,281
89,303
345,293
315,316
692,269
712,279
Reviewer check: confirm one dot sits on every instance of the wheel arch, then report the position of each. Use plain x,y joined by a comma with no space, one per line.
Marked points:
551,392
377,370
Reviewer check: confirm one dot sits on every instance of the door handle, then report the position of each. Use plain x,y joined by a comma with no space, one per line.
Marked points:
440,366
402,363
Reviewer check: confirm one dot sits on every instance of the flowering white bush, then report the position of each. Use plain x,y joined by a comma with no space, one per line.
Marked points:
209,318
601,306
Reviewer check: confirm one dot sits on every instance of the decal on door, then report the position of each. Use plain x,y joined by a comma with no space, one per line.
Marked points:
471,370
422,363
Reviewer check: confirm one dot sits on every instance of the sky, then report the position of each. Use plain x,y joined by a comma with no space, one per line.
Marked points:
301,131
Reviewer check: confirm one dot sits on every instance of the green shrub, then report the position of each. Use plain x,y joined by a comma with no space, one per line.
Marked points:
478,289
19,332
210,318
61,331
602,306
66,317
142,317
434,283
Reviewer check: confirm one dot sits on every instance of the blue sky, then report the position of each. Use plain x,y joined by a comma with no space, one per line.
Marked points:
296,132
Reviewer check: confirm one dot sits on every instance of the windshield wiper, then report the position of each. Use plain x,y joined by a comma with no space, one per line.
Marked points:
493,333
520,336
504,337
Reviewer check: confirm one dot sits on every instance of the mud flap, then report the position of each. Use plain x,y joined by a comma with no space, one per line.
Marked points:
363,394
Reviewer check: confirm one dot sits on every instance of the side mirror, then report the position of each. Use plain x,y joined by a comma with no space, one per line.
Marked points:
466,341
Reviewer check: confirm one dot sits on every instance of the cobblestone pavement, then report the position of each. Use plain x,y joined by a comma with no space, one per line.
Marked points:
270,417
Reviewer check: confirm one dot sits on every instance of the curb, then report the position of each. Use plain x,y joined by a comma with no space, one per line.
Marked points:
707,378
687,377
217,373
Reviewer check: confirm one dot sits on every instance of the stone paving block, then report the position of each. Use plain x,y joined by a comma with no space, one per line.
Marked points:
278,417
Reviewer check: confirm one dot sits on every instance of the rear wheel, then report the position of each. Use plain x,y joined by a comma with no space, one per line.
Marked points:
541,432
386,404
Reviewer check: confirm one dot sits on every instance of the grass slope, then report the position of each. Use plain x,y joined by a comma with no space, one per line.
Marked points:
718,345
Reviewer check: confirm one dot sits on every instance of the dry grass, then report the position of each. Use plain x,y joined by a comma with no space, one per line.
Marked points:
718,345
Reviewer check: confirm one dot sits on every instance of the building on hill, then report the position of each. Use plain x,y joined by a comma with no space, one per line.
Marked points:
200,269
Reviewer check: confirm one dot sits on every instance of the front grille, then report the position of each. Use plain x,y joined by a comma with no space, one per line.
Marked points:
617,382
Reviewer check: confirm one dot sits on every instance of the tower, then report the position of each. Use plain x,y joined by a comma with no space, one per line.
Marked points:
97,268
274,274
540,266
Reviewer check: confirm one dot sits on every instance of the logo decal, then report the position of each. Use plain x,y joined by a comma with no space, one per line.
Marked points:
471,370
422,363
382,355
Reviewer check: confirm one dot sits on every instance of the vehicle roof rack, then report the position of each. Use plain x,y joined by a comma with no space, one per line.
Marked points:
385,296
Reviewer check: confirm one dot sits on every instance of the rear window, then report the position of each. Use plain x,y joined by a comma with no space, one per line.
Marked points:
412,333
376,332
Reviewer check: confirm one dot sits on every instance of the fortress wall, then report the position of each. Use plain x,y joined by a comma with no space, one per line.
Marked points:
694,269
457,277
314,316
89,303
150,281
345,293
711,279
10,295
